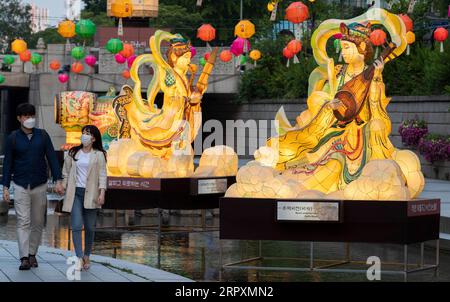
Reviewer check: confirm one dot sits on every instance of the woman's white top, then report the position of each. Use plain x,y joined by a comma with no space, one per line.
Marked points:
82,167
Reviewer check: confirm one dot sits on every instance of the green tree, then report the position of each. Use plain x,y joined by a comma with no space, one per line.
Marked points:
95,6
14,22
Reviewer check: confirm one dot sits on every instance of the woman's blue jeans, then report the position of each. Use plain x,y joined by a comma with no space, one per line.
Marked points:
81,216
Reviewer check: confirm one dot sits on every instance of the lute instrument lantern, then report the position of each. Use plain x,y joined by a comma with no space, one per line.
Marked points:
354,93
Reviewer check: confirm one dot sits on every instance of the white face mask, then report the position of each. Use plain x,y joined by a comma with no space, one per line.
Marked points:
86,139
29,123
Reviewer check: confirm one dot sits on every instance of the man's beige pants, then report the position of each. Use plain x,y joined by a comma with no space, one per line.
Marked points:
31,206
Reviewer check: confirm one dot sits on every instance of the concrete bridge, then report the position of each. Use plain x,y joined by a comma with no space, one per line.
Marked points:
39,84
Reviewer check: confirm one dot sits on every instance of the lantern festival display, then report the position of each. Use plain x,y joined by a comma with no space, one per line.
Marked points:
85,29
2,79
297,13
226,56
55,65
255,55
18,46
25,56
272,7
206,33
114,46
338,148
8,60
410,39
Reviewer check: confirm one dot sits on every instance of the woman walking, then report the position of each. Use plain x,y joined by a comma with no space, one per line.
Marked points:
84,175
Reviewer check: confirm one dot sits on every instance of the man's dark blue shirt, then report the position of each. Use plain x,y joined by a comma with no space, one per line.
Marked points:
25,163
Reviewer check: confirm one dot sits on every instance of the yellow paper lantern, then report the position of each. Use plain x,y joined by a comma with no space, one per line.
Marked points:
19,46
244,29
255,55
270,6
410,37
122,8
66,29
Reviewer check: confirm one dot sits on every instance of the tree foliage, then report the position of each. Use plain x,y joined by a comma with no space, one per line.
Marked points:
14,22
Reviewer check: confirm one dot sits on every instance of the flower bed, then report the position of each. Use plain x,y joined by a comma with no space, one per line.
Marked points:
435,147
412,131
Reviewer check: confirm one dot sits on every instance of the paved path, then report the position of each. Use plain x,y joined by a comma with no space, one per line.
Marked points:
53,267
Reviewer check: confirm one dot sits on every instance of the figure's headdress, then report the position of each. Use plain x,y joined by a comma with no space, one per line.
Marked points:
356,32
179,46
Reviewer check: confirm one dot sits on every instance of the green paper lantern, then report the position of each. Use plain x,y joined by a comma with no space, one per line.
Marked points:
85,29
114,46
78,53
202,61
337,44
8,60
244,60
36,59
2,79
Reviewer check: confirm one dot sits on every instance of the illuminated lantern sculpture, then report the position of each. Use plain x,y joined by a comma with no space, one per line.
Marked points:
85,29
226,56
410,39
127,51
440,35
114,46
206,33
18,46
121,9
255,55
66,29
25,56
408,22
77,67
54,65
297,13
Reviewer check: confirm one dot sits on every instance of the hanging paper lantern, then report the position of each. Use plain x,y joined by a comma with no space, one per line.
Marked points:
255,55
36,59
193,51
66,29
19,46
202,61
207,55
120,59
127,51
225,56
237,47
408,22
78,53
337,45
90,60
8,60
378,37
122,8
440,35
243,60
63,77
297,12
244,29
130,61
410,39
206,33
270,6
295,46
77,67
287,53
54,65
114,46
126,74
25,56
2,79
85,29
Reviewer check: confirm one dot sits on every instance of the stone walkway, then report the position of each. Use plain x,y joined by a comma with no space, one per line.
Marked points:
53,267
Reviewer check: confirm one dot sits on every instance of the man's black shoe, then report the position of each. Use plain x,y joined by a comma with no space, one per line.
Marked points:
33,261
25,264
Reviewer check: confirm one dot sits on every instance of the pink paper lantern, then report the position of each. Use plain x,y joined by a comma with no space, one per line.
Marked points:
90,60
120,59
131,61
63,78
237,47
193,51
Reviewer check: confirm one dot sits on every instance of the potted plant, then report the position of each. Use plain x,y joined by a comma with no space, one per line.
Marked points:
412,131
435,148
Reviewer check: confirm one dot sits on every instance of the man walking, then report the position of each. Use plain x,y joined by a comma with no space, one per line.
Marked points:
25,152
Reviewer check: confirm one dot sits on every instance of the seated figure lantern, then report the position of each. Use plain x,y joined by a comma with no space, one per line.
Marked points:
340,145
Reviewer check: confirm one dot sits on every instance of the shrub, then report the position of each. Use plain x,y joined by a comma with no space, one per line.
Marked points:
412,131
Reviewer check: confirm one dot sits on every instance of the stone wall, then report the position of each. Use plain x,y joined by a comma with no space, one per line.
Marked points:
433,109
